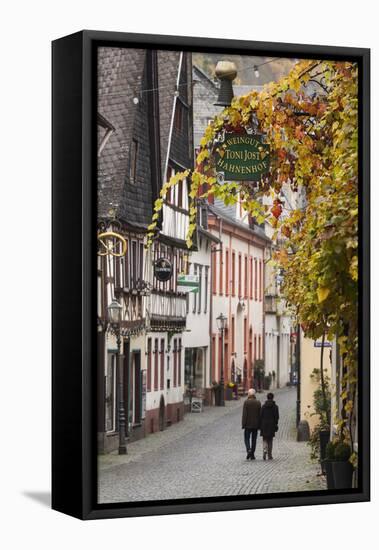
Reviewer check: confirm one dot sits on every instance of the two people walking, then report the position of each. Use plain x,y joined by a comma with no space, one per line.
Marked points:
259,417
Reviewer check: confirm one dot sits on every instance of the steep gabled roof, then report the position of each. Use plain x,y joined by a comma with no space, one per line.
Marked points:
199,73
125,101
120,79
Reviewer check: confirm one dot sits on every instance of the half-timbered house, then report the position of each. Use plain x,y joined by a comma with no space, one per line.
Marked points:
144,135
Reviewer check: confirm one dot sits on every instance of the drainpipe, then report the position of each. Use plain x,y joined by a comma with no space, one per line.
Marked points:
298,371
263,283
247,336
210,279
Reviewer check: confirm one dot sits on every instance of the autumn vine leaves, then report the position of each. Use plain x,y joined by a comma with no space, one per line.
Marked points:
309,119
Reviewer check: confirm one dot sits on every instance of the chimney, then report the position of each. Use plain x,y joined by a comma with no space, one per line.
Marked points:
226,72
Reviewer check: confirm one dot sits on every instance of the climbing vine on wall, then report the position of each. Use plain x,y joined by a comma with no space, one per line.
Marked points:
310,121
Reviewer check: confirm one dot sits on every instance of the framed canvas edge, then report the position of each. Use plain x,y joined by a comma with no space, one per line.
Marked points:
272,501
227,44
67,320
87,497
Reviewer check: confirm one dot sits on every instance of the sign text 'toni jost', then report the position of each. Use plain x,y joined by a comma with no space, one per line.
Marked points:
243,157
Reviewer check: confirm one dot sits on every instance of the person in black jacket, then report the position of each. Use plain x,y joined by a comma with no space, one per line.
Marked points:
250,422
269,424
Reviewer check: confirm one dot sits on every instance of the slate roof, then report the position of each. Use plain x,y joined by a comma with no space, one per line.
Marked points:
122,77
205,95
199,74
227,213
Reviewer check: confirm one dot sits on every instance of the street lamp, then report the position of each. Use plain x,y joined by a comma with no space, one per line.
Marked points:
221,325
114,316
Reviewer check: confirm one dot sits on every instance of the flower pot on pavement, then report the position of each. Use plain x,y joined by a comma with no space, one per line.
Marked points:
342,467
267,382
342,475
228,393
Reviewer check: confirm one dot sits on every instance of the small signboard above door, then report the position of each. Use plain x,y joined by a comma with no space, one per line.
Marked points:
188,283
163,269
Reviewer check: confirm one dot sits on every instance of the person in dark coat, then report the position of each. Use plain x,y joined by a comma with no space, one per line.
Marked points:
269,424
251,413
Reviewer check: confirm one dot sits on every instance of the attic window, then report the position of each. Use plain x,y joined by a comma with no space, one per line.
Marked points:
133,161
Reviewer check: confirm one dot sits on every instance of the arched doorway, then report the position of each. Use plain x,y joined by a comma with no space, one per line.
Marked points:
161,414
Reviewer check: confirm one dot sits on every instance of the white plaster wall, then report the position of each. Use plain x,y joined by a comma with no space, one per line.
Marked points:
197,331
197,334
278,327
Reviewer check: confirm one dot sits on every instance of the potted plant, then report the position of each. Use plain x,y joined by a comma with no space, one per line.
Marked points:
321,404
235,391
327,463
342,467
267,382
229,391
259,371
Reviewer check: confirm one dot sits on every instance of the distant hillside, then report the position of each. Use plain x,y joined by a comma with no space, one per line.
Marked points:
273,71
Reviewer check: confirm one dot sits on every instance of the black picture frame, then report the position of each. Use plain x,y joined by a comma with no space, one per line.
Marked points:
74,288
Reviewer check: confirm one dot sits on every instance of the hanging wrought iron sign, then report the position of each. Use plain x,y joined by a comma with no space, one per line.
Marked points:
111,244
242,157
163,269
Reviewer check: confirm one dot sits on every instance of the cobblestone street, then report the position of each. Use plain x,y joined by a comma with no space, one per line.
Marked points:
204,456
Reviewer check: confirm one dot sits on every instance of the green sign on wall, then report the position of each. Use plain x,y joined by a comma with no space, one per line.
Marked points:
243,157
